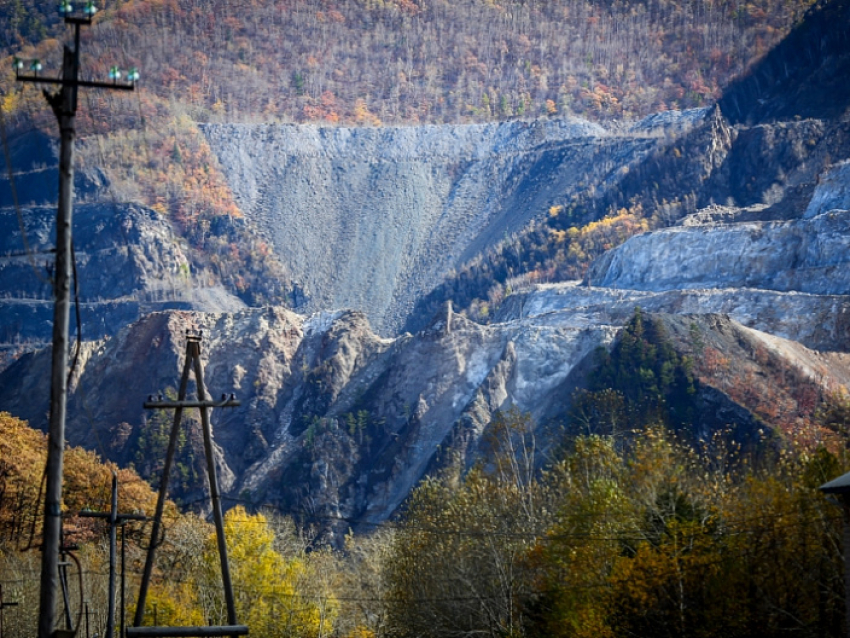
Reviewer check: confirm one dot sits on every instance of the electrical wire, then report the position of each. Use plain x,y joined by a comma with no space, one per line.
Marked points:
80,385
13,255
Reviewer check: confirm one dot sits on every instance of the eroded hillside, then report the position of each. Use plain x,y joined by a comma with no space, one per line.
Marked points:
338,422
129,261
374,218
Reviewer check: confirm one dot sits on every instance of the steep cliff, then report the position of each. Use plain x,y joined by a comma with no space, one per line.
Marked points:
810,256
128,262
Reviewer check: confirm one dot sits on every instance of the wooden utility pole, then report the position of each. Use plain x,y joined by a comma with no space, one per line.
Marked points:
3,605
64,105
191,364
115,520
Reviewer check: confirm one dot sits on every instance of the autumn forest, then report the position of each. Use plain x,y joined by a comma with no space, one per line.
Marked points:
632,527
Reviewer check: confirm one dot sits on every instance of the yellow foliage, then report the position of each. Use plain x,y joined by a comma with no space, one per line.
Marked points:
269,589
175,605
22,458
87,480
362,114
10,102
662,540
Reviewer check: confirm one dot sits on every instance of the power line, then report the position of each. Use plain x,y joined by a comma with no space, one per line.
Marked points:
28,253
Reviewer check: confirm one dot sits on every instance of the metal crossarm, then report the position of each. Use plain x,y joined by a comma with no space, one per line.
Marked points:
158,405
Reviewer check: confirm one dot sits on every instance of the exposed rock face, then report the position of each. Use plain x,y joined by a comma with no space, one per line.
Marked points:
302,379
832,191
818,321
128,263
128,259
336,421
372,219
786,278
343,422
811,256
710,172
35,158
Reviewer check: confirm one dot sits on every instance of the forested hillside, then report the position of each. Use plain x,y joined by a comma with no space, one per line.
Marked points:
636,533
410,61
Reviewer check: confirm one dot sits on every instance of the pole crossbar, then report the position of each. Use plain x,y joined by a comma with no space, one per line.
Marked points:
120,518
92,84
158,405
75,20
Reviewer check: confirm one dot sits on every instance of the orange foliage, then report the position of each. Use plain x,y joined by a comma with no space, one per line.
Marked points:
87,484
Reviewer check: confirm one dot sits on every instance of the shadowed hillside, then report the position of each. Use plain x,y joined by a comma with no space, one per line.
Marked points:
804,76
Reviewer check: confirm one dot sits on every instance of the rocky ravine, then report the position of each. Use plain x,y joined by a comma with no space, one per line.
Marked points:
339,422
373,218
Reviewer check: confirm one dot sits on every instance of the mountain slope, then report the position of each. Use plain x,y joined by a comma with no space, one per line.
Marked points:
129,260
372,219
802,77
349,61
338,422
